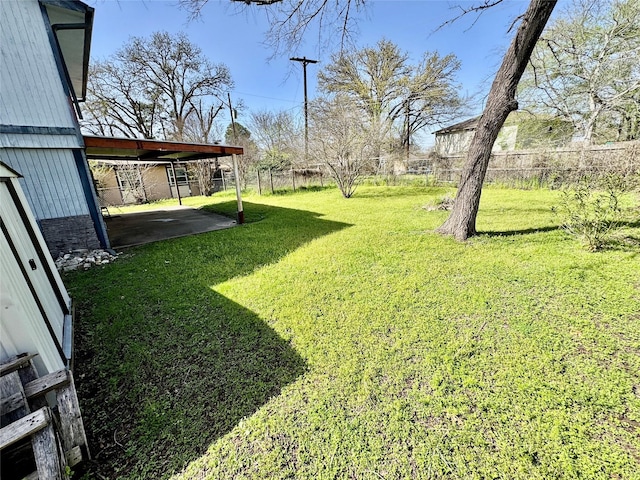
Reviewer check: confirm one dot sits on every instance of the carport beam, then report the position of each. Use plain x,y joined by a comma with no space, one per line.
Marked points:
238,192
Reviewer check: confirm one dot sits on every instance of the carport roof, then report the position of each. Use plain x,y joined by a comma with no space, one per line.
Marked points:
111,148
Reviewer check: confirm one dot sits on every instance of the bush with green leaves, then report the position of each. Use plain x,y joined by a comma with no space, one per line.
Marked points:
591,210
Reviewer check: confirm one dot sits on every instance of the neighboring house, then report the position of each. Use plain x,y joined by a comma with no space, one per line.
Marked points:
455,139
120,182
521,130
44,51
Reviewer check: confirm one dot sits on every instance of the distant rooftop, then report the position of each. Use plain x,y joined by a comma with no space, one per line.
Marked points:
469,124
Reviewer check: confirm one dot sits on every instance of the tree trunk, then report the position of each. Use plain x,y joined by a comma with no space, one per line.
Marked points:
501,101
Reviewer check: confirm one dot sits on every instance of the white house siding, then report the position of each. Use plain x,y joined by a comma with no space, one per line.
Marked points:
453,143
31,91
62,198
458,142
28,140
39,134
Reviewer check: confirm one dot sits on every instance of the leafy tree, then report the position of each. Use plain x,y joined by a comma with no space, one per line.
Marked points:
374,79
236,138
341,141
431,95
586,68
156,87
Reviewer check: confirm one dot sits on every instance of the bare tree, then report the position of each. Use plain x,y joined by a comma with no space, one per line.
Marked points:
431,96
586,68
202,124
278,136
117,105
133,181
391,92
152,86
249,160
342,141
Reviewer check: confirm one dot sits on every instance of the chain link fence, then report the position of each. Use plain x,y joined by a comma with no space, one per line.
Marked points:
518,168
551,167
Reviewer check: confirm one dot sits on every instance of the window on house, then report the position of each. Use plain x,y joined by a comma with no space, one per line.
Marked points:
181,176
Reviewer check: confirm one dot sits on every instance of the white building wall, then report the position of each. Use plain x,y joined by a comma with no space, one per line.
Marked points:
62,198
31,91
31,97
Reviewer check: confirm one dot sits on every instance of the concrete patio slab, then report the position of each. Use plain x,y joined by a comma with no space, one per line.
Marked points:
129,229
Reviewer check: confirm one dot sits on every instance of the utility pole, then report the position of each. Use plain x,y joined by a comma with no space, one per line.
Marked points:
305,61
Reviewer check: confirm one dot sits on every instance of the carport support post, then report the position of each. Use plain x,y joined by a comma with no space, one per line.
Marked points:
238,192
259,185
271,180
175,182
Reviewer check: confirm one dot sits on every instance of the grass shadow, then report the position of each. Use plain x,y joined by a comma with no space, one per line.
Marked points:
373,191
525,231
164,364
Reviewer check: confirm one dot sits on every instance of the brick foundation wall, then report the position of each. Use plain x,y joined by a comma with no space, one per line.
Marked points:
69,233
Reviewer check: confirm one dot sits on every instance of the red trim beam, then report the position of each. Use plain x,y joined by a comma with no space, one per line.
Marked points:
111,148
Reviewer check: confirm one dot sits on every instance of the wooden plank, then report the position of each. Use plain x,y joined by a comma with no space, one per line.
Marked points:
28,374
46,384
12,403
9,385
45,451
71,425
73,456
24,427
32,476
16,363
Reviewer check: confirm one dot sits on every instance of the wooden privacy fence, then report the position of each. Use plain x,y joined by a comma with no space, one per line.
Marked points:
557,165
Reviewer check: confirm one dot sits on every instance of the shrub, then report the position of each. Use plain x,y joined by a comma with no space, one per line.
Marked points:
590,210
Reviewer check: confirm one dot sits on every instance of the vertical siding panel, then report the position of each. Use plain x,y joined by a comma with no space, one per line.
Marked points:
45,164
50,180
32,94
29,69
22,327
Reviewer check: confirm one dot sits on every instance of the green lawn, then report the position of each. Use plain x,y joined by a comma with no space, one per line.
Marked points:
332,338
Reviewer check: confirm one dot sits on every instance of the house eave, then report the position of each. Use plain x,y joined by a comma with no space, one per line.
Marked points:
72,24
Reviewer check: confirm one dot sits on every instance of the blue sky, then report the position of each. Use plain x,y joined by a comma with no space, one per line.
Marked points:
237,40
